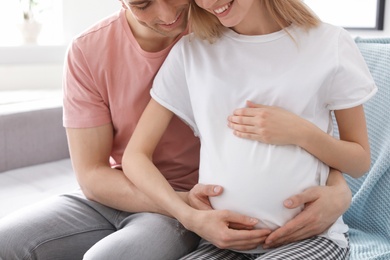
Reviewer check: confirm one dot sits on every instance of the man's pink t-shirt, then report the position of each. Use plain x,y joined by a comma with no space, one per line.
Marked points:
107,80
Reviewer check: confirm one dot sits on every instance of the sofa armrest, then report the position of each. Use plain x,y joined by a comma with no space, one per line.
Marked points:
32,133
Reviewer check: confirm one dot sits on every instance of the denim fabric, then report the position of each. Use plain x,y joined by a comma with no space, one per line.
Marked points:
72,227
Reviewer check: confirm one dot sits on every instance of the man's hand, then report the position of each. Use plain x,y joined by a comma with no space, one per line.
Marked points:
223,228
323,206
198,197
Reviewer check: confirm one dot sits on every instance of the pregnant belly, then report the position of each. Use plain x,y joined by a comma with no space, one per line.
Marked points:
262,202
258,188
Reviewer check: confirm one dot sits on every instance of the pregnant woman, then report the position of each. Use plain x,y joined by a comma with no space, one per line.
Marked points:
257,82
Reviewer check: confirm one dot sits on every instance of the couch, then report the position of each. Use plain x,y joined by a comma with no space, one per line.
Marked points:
34,159
369,214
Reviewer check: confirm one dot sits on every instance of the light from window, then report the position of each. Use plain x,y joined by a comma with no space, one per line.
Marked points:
48,13
360,14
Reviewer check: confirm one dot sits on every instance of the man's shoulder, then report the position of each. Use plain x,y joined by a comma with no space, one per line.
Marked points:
103,27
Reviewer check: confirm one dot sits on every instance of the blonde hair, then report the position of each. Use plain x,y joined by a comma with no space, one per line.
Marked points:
206,26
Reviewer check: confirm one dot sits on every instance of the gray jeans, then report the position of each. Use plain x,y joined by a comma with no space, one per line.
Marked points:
72,227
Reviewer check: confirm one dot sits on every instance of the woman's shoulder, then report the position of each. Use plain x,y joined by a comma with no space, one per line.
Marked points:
190,43
328,30
191,39
325,33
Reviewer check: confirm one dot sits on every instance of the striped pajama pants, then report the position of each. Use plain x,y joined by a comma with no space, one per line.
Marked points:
315,248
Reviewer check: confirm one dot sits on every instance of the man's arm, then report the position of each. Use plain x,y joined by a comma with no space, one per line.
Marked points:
323,206
90,152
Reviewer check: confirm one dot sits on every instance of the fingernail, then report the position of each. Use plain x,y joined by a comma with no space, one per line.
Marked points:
217,189
288,203
253,220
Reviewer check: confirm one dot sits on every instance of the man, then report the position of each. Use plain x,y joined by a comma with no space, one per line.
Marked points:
108,73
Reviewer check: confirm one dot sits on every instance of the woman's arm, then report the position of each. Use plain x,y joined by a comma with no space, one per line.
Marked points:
212,225
90,150
350,154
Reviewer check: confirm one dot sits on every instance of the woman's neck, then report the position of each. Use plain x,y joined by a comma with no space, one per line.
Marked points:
258,21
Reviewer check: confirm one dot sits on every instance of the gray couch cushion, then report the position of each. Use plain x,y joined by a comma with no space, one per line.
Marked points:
31,132
26,186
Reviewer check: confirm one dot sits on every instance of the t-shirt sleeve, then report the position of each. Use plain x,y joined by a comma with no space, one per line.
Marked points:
170,88
352,84
83,103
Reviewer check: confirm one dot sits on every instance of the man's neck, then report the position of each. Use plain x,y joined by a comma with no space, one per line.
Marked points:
148,39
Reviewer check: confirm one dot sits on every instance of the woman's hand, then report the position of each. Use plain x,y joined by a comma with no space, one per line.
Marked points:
214,226
267,124
223,228
198,198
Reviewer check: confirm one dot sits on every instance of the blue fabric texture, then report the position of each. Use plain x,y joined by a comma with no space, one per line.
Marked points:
369,214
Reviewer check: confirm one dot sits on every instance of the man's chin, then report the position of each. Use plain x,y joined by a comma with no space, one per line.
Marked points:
169,33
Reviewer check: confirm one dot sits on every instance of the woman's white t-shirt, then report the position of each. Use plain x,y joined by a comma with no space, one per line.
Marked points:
309,73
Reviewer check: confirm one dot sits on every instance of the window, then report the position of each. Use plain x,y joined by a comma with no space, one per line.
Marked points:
47,12
351,14
61,21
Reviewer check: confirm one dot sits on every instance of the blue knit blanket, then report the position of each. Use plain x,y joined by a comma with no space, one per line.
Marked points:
369,214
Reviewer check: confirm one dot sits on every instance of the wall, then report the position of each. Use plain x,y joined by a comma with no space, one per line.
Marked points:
80,14
41,67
